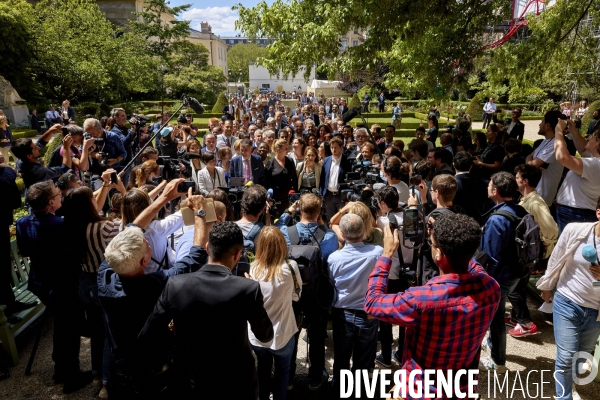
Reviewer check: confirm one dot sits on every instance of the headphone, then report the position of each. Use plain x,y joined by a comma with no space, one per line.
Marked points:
63,181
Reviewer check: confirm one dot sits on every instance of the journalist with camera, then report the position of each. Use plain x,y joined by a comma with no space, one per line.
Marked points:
108,150
29,154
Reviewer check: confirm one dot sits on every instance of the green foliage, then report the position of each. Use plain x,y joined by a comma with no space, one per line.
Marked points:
558,44
159,35
256,90
354,101
220,104
189,72
527,95
475,109
587,117
27,133
414,46
280,89
240,55
51,146
16,19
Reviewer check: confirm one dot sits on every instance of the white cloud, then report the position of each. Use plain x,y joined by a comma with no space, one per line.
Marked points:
221,19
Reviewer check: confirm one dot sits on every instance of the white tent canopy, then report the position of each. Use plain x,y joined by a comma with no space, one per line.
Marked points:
327,88
318,84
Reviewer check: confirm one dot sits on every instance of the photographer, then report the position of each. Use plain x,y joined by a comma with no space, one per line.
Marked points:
108,152
126,135
158,231
128,295
314,313
387,198
29,153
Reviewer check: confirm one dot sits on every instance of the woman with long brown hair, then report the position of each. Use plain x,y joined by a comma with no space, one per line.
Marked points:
193,146
280,284
309,171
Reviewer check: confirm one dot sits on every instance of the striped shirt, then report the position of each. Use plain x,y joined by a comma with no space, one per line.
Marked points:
99,235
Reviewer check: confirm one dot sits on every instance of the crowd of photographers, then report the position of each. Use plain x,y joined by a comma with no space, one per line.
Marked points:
182,256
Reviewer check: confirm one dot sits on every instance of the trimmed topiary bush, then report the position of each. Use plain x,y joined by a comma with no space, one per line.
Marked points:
587,117
354,101
51,146
475,109
220,104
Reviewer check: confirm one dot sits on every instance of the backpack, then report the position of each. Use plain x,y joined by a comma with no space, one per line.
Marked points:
250,241
316,282
527,249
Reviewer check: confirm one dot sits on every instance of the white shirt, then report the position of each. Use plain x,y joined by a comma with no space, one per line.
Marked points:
278,295
334,173
206,183
407,254
581,191
576,280
157,235
403,192
548,185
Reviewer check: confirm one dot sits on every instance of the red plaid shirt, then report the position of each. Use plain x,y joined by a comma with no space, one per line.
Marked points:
445,320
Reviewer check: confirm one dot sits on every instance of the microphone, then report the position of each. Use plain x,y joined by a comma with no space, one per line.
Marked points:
193,104
249,183
590,255
350,114
269,194
192,156
290,192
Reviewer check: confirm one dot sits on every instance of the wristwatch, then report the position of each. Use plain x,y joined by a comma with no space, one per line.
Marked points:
200,213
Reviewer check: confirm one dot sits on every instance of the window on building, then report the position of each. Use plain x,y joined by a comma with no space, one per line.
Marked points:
266,85
354,43
355,31
344,44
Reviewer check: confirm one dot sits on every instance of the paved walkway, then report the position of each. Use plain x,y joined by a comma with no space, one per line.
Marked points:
523,355
531,129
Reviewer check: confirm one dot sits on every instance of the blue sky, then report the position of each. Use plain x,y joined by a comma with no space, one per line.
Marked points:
218,14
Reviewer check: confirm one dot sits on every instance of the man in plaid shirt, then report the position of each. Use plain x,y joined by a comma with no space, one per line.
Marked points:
447,318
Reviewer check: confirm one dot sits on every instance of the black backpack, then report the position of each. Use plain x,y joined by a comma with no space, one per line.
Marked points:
316,282
525,253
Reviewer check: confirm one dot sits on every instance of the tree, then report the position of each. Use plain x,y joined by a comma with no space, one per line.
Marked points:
588,116
240,55
422,44
354,101
160,35
561,49
16,20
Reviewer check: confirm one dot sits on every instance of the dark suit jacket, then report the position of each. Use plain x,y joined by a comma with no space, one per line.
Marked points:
345,167
343,109
258,170
211,309
471,195
35,123
518,131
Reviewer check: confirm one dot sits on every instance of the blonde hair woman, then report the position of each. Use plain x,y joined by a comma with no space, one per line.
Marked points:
372,234
144,174
280,284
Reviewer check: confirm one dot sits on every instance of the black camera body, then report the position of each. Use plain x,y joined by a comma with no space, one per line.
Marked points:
140,120
171,168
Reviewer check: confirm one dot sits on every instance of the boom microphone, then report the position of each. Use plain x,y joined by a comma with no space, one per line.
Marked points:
194,105
350,114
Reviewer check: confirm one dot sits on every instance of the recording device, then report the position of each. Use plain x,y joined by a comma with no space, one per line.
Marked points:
590,254
171,168
415,180
193,104
183,187
243,268
65,131
141,120
209,209
350,114
113,178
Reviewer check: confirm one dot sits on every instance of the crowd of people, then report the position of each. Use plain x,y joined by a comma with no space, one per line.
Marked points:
205,260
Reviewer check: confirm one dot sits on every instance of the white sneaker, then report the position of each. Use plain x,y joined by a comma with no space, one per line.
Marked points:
488,364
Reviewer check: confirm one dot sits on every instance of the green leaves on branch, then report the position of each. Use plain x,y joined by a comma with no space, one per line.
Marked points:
240,55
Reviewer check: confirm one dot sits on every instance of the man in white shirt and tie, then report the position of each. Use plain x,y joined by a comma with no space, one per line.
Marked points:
227,138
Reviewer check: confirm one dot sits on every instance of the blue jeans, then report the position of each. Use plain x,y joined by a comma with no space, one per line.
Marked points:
282,357
575,329
354,336
100,352
498,327
565,215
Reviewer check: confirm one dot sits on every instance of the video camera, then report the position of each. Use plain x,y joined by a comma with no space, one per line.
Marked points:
171,168
141,120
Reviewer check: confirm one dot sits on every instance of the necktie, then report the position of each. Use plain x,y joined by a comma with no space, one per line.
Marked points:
227,141
248,176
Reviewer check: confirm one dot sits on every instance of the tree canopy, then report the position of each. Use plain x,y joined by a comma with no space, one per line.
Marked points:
240,55
421,46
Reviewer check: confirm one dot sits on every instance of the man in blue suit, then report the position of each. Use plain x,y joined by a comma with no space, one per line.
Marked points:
241,163
335,168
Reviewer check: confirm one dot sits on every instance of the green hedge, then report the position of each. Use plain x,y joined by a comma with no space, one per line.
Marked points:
28,133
